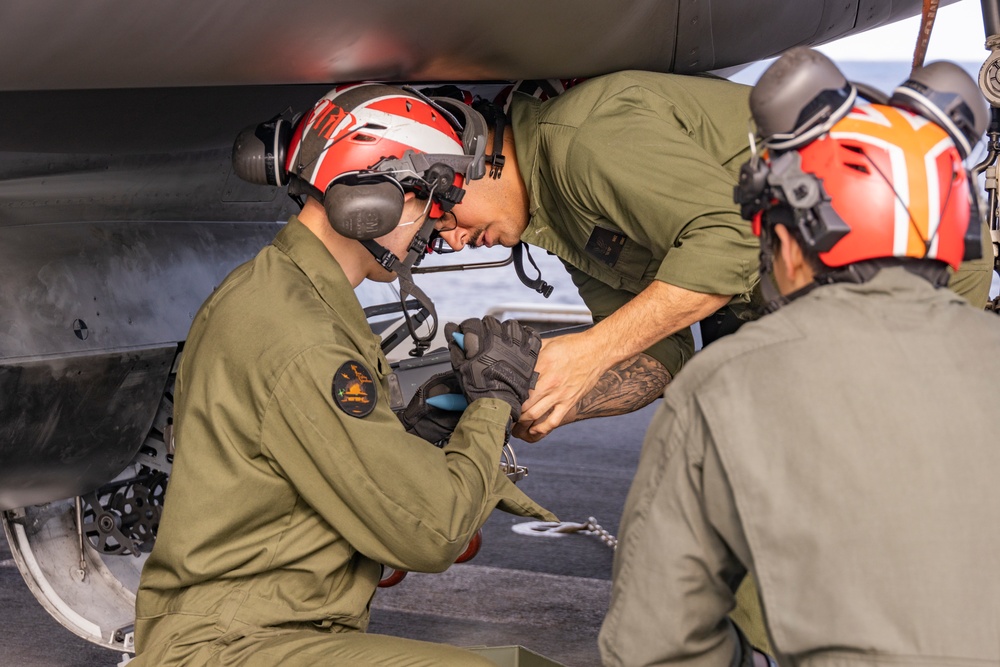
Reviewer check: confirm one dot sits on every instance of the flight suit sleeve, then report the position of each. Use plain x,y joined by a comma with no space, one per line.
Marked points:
673,574
602,300
393,496
665,191
974,277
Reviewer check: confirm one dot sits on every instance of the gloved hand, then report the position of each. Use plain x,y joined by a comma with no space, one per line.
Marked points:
494,359
435,409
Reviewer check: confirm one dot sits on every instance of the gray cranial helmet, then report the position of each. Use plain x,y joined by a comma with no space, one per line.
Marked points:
945,94
799,97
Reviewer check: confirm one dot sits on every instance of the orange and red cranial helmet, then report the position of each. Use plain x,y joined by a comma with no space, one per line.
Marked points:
897,181
876,181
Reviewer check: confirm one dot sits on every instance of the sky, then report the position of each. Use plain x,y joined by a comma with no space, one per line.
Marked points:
957,35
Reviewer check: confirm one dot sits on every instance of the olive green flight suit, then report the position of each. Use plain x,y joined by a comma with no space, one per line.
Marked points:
974,277
630,179
294,481
843,450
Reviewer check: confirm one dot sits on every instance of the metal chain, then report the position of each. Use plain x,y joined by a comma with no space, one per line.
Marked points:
605,536
561,528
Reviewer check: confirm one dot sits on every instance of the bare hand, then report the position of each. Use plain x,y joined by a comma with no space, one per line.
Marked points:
521,431
568,368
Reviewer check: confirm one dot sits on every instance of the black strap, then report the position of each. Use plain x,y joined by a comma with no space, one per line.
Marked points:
407,288
536,284
494,115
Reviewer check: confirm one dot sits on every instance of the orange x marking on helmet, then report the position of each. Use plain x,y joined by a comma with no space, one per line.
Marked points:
898,181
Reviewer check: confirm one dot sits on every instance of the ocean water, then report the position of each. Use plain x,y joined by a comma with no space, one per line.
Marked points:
472,293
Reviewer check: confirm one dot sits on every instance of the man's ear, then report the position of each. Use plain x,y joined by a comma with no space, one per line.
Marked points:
411,208
792,259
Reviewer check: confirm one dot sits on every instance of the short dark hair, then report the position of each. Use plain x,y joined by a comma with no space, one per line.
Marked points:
784,216
933,270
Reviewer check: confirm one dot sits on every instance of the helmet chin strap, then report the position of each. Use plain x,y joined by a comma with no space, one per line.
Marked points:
407,288
773,299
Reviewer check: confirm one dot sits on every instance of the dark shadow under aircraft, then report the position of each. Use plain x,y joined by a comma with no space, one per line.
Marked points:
120,211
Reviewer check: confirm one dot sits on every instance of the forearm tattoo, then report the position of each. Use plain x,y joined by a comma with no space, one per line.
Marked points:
625,387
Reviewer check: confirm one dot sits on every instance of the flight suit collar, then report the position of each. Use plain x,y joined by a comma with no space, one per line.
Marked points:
545,228
326,275
525,119
893,282
525,112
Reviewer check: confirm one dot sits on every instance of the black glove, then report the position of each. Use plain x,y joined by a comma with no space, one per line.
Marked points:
429,422
495,360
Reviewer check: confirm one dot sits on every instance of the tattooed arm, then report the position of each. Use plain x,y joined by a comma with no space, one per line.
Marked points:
569,366
625,387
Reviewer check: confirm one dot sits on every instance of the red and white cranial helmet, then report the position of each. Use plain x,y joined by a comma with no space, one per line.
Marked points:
354,128
362,146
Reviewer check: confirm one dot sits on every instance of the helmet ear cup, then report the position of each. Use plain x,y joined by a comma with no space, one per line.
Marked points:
259,152
945,94
474,131
364,208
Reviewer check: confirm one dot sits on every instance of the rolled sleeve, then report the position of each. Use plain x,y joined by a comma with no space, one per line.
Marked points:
711,258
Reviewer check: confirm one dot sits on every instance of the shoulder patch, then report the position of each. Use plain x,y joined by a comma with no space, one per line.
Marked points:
354,390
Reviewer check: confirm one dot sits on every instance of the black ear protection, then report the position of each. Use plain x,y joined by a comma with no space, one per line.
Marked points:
364,205
762,189
782,194
494,116
367,205
471,127
259,152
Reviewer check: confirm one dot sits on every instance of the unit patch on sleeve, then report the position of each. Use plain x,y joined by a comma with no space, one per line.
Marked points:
354,390
605,245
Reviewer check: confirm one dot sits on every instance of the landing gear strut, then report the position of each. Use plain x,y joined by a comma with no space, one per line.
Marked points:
989,83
